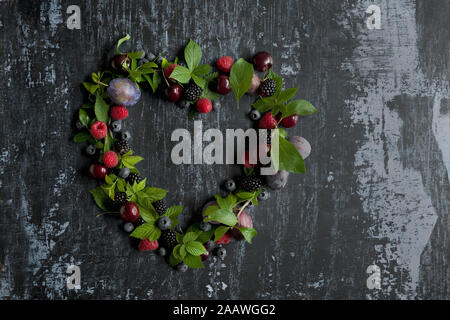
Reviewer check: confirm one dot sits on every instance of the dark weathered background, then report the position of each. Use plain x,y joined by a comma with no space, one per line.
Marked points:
377,187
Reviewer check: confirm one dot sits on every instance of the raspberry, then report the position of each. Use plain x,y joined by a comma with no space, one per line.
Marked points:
204,105
147,245
225,239
99,130
267,121
119,112
110,159
224,63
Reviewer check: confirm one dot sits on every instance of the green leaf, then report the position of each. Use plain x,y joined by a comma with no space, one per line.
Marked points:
300,107
83,116
81,136
91,87
211,95
210,210
193,262
287,158
122,40
146,231
131,160
179,237
147,214
211,76
241,75
202,70
245,195
155,194
181,74
195,248
148,65
176,252
100,197
199,81
182,251
226,203
108,143
101,109
220,231
174,211
223,216
192,55
248,233
135,55
173,261
190,236
205,236
286,95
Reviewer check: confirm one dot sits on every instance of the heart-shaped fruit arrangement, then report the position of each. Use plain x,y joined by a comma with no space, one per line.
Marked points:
194,86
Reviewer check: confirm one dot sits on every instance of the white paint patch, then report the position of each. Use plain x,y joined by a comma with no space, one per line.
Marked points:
441,130
392,195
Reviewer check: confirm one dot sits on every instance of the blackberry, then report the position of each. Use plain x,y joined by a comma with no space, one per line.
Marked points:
160,206
193,92
169,239
122,146
119,199
250,183
133,177
139,222
267,88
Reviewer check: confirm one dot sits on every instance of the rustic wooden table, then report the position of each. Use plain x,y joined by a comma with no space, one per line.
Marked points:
375,197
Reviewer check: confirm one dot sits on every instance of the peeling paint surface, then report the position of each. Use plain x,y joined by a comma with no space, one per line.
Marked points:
376,191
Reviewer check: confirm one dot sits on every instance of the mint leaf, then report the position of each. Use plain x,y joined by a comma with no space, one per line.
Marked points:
195,248
122,40
210,210
146,231
241,75
131,161
181,74
83,117
101,109
179,253
149,215
174,211
226,203
173,261
108,142
286,95
248,233
81,136
91,87
135,55
243,195
264,104
155,194
202,70
300,107
192,55
220,231
207,93
190,236
100,197
223,216
193,262
211,76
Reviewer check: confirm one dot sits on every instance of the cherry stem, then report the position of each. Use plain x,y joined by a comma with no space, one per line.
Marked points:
243,207
107,212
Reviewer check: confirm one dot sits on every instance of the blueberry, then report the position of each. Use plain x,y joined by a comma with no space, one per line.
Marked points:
264,195
182,267
126,135
79,125
116,126
216,105
184,104
142,61
255,115
128,227
221,253
205,226
162,251
164,223
230,185
124,173
91,149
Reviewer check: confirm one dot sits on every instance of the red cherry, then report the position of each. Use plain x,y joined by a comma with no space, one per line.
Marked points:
168,70
267,121
290,121
263,61
98,171
225,239
118,62
223,84
173,93
129,211
245,221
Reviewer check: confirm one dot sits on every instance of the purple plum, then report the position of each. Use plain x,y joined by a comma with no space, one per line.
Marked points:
123,91
278,180
302,145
